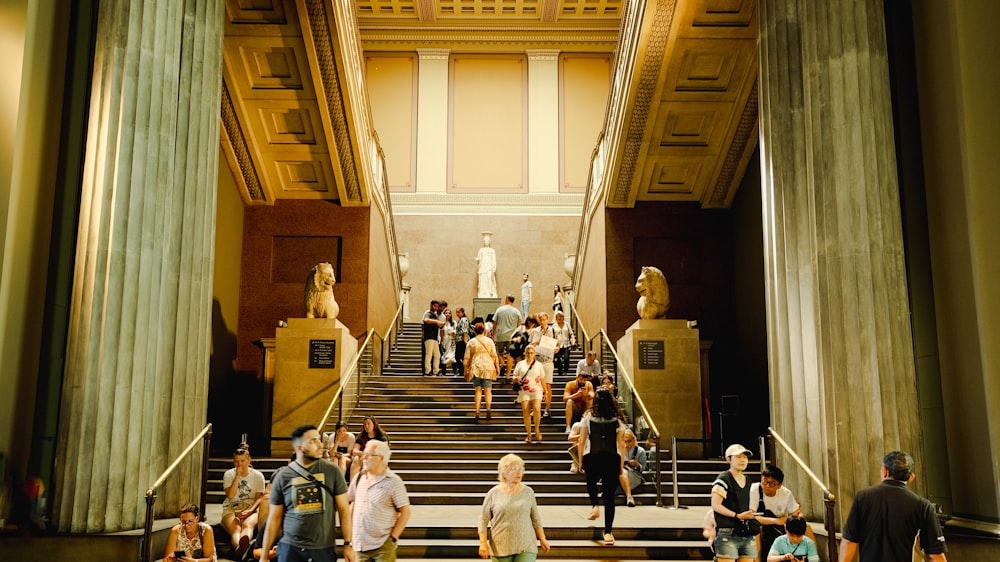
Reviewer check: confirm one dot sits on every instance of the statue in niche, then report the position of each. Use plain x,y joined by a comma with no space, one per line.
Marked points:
654,296
487,260
319,292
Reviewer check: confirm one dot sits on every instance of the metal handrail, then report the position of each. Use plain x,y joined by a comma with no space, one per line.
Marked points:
828,498
631,383
654,432
392,328
205,435
344,382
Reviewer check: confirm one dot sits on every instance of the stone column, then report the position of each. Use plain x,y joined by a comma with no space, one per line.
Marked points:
432,120
843,388
136,376
543,120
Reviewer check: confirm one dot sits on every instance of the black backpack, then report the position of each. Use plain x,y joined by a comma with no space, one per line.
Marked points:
604,435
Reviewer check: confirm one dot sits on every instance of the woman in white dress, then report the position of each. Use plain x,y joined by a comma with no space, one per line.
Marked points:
447,342
531,375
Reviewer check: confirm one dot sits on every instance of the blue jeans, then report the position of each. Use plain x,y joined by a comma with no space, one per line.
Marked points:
520,557
728,545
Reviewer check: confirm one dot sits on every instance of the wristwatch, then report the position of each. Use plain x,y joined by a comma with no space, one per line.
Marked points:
393,539
347,543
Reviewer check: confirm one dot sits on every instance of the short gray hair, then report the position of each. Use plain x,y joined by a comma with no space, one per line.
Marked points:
381,448
507,463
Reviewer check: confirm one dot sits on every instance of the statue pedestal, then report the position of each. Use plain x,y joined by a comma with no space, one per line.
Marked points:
663,357
310,356
484,306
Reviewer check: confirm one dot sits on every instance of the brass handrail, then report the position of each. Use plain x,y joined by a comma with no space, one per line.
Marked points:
828,498
346,380
205,435
354,363
390,329
631,383
654,432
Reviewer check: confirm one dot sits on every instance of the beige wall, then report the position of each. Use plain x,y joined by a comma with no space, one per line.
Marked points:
228,248
487,126
959,120
383,289
443,256
592,278
30,109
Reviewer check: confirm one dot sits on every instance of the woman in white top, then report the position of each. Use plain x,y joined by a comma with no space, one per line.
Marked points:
567,339
531,375
448,342
339,445
191,540
244,487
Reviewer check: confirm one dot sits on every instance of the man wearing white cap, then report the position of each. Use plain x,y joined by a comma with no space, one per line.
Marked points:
736,527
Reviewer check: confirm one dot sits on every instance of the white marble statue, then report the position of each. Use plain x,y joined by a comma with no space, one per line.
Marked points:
654,296
319,292
487,260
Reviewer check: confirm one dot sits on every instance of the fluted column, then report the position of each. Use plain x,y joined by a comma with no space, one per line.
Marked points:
843,388
136,376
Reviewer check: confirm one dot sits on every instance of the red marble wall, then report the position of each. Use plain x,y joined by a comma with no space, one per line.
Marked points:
281,244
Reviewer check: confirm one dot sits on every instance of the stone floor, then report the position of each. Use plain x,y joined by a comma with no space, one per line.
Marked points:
552,516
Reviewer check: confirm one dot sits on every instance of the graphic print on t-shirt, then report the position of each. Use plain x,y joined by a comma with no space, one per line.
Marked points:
308,495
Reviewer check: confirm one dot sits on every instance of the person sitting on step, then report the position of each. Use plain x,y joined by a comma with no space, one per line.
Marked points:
634,466
371,430
244,487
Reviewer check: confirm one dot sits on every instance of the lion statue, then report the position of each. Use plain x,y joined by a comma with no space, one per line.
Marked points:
319,292
654,296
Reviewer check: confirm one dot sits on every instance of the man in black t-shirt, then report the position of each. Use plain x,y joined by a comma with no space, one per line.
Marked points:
885,519
431,323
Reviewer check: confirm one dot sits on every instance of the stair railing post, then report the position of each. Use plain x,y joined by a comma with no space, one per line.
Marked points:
673,474
659,476
831,533
147,534
762,446
206,441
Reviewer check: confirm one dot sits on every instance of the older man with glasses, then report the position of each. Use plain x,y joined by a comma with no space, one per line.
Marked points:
380,506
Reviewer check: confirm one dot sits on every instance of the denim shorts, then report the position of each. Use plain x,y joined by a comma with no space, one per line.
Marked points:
482,383
728,545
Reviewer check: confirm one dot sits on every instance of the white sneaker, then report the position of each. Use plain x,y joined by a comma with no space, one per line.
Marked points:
609,539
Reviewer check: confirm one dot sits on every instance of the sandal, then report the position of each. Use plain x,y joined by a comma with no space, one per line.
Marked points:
538,436
528,439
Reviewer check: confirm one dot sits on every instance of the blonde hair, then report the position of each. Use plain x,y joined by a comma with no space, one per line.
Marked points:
629,435
507,463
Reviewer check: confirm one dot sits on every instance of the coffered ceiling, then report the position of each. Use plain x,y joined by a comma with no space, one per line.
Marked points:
290,101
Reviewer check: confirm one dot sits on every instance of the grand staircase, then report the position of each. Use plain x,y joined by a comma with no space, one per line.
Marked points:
448,461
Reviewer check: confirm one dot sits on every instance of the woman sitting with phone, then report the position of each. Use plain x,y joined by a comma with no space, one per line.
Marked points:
191,540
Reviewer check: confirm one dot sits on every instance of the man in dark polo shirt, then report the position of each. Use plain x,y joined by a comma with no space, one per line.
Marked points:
885,519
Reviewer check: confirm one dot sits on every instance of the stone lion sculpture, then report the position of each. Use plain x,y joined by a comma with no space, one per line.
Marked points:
654,296
319,292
